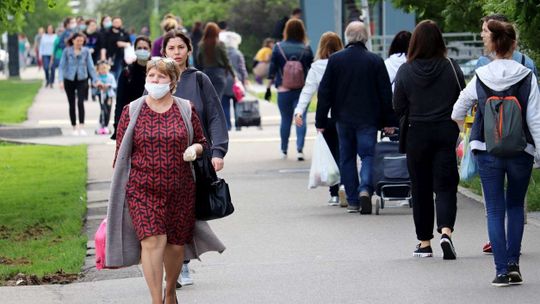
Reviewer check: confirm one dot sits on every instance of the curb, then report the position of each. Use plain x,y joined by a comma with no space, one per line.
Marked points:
532,217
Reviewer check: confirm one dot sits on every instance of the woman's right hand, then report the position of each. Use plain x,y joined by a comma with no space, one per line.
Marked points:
61,85
298,120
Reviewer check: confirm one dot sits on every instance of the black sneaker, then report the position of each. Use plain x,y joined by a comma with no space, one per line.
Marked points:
425,252
449,252
352,208
365,202
501,280
514,275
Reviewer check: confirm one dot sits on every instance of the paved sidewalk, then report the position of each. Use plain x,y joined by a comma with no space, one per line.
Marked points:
284,244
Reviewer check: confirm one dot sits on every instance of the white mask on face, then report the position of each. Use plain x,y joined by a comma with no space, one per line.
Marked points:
157,90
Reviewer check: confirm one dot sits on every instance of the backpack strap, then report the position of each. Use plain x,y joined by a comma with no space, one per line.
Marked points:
522,59
281,51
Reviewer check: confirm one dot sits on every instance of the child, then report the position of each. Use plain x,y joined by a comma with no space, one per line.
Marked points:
105,93
261,62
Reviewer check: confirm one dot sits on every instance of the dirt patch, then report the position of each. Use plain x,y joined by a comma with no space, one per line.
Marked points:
19,261
60,277
5,232
33,232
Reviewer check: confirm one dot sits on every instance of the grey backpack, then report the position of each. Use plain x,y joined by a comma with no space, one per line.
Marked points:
504,123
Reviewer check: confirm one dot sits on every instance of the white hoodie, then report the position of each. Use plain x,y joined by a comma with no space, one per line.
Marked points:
392,65
500,75
311,86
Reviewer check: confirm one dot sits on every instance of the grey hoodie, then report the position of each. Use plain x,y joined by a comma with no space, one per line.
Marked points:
500,75
211,113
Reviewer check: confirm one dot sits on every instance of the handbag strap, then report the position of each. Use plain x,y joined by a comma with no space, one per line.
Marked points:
455,73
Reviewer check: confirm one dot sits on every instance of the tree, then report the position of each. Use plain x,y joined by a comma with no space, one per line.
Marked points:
12,13
42,16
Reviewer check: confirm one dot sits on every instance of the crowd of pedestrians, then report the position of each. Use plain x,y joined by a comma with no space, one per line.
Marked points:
176,93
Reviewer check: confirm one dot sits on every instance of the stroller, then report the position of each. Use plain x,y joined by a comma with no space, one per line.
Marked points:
391,179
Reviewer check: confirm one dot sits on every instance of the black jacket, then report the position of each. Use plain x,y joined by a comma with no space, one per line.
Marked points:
356,87
428,89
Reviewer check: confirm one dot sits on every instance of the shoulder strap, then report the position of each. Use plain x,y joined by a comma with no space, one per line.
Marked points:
281,51
522,59
455,73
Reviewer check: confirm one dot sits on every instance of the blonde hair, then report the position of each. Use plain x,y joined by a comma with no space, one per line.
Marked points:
166,66
328,45
169,24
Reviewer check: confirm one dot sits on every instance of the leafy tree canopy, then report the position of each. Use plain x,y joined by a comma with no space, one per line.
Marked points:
12,13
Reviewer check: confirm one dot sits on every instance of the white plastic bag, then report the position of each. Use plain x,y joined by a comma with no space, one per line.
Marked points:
129,54
324,170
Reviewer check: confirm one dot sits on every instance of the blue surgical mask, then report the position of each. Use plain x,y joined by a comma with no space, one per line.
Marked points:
103,77
107,24
82,27
142,54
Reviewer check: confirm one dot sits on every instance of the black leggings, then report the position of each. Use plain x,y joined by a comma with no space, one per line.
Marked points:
431,158
331,137
78,86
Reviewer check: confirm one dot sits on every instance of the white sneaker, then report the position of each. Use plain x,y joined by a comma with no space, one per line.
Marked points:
300,156
185,276
334,201
283,155
75,132
82,132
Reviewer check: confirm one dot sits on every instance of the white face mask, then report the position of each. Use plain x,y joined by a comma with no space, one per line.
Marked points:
157,90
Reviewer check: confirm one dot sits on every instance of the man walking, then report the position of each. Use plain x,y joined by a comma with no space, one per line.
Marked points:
356,88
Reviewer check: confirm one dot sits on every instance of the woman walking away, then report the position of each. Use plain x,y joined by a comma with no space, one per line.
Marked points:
76,66
158,136
195,86
329,44
46,51
232,40
292,49
132,79
397,55
504,174
432,135
212,58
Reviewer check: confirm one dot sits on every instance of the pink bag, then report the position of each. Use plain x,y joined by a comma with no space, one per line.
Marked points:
99,240
238,90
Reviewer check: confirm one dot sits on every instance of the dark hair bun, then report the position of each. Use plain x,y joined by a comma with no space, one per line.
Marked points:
503,36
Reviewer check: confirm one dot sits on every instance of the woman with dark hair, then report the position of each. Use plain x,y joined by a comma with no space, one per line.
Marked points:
427,86
505,177
132,79
293,47
196,87
328,44
212,58
76,66
397,54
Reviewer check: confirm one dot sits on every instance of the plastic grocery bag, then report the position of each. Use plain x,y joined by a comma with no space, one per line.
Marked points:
99,240
468,167
129,54
324,170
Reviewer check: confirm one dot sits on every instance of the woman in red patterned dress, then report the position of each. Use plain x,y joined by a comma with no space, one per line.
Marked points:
160,191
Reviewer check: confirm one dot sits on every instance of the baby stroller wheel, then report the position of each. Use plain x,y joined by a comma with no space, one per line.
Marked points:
377,205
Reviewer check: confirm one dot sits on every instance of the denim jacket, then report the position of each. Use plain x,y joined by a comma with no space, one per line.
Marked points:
81,65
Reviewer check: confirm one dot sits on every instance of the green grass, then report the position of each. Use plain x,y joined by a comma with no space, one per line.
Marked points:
533,192
16,96
311,108
42,203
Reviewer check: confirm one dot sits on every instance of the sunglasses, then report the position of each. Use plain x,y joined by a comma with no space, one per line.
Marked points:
169,62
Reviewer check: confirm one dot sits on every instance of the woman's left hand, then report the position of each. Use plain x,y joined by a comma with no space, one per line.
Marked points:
217,163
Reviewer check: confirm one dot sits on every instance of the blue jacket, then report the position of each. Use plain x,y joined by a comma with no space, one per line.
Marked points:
292,49
81,65
356,87
516,56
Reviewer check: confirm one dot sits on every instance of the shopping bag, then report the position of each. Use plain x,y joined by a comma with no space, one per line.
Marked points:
238,90
99,240
468,167
324,170
129,54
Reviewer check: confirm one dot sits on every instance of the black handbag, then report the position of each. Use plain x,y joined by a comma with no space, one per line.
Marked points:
403,130
213,199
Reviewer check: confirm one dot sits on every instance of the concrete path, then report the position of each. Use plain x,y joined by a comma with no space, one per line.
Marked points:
285,245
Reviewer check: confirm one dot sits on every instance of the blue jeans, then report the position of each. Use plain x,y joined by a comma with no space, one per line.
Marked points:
356,140
226,104
493,170
49,69
287,102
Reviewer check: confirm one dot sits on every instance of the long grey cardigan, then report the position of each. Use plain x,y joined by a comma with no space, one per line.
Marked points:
123,248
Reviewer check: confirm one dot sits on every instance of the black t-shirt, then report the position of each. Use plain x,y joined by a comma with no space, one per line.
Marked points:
111,38
93,41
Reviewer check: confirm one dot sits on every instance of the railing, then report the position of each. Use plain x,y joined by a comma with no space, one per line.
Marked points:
461,46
